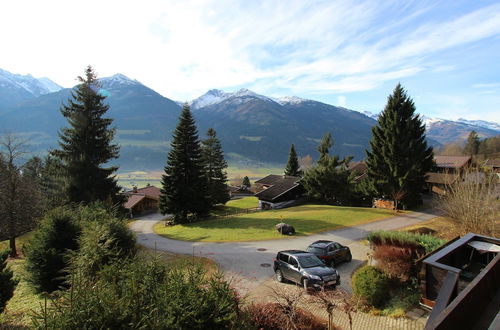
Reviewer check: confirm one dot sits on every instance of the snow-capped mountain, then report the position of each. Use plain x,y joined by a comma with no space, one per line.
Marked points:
481,123
15,88
215,96
290,100
118,80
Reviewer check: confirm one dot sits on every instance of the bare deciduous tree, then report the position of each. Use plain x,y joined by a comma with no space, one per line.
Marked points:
472,203
335,299
20,198
288,300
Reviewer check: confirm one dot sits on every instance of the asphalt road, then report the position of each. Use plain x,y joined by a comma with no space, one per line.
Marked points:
250,263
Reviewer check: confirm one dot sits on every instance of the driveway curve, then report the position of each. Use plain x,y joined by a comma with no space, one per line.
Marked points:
250,263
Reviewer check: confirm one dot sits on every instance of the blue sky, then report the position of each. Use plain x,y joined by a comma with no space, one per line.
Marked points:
347,53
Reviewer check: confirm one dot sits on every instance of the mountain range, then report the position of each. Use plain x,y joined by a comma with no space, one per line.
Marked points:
253,128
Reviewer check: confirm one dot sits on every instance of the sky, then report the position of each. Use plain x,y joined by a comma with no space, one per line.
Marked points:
346,53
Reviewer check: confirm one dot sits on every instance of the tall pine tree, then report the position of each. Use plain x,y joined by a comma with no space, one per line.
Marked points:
292,167
86,145
399,157
184,184
215,168
472,145
324,148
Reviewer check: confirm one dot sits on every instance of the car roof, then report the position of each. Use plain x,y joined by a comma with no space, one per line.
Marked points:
321,243
294,252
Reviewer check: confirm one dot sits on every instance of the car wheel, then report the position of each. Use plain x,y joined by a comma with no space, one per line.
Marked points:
279,276
305,283
348,257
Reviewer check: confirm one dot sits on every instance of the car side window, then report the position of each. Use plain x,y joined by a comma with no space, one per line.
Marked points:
294,262
337,246
331,248
283,257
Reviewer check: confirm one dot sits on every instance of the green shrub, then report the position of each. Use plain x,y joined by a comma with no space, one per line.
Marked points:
370,284
102,242
7,281
45,253
134,294
420,243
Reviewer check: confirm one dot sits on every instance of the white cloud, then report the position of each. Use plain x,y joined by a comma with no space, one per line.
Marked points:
182,48
342,101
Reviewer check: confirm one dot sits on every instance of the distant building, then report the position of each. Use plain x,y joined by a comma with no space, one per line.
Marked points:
278,191
360,169
493,165
448,170
141,201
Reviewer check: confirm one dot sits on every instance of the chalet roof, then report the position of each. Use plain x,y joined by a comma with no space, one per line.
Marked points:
150,191
451,161
359,167
493,163
270,179
133,199
280,186
440,178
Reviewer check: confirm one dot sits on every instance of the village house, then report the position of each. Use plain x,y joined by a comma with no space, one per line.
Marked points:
448,170
493,165
278,191
141,201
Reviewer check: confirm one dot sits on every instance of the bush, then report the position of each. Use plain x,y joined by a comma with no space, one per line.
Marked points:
7,281
419,243
270,316
396,262
370,284
101,243
46,252
145,294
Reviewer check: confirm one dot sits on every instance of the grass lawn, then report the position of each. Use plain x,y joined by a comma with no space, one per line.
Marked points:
19,242
307,220
236,205
445,228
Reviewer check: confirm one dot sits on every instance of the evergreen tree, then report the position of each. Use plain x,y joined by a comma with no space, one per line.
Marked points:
330,180
292,167
87,145
472,145
399,156
7,281
215,168
246,182
323,148
184,184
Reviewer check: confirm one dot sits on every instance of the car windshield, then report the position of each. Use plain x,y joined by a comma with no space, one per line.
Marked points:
316,250
310,261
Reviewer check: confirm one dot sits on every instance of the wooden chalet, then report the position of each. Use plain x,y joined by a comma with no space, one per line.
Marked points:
493,165
360,169
461,283
448,170
278,191
141,201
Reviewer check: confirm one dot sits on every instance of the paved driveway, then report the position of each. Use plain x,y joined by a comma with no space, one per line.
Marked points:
250,263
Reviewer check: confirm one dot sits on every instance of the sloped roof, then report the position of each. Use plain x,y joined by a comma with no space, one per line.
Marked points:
493,162
279,187
150,191
359,167
133,199
270,179
451,161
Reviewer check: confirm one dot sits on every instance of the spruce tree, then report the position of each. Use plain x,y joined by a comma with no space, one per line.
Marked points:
292,167
86,145
472,145
246,182
7,281
184,184
215,168
399,157
323,149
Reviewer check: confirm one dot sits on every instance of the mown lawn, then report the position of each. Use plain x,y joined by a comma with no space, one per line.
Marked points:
237,205
307,220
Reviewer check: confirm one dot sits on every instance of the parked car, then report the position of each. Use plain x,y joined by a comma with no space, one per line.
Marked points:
332,253
305,269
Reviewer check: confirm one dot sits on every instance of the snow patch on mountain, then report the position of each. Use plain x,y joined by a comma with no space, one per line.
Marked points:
215,96
118,80
34,86
481,123
289,100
